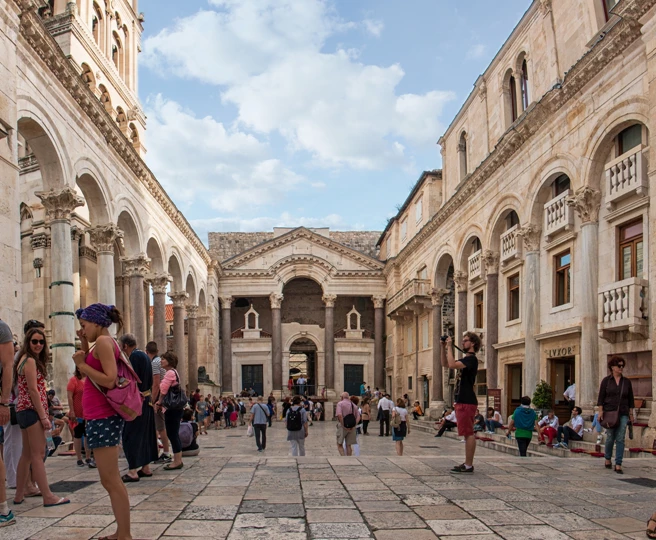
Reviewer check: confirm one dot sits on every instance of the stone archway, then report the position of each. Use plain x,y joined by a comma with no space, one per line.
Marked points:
303,362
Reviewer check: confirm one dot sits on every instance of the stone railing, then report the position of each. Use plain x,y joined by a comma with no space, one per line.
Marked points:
414,289
625,176
557,215
623,305
475,266
28,164
511,245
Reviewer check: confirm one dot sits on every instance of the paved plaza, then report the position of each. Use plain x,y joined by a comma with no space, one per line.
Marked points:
231,491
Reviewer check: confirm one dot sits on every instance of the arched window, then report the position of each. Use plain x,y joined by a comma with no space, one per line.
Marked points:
525,98
512,219
126,56
628,139
117,52
475,245
510,98
462,154
98,26
560,185
512,88
88,77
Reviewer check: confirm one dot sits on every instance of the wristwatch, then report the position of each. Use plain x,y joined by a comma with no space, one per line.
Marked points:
4,404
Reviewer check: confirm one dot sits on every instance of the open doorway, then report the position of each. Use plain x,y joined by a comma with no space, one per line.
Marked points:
515,387
302,366
562,374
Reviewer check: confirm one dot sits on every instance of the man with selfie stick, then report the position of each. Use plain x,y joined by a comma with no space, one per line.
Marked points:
466,402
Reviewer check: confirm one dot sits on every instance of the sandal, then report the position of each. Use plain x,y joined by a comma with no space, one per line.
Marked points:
61,501
142,474
619,471
127,479
169,468
651,533
608,465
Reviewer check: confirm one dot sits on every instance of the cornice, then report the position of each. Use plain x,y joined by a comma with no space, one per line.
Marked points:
296,234
535,117
44,45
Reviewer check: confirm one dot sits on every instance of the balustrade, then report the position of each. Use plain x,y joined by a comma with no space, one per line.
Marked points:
558,216
625,176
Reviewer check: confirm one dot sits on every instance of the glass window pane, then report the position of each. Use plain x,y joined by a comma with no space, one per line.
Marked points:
564,260
631,231
561,184
630,138
568,287
626,262
638,259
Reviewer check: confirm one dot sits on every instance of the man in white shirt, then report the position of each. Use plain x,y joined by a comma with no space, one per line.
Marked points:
301,381
449,421
385,406
574,433
570,396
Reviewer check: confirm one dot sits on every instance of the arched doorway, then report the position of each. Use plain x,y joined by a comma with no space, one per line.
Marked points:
303,366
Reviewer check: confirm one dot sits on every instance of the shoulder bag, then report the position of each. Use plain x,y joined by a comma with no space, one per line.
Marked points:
175,399
612,418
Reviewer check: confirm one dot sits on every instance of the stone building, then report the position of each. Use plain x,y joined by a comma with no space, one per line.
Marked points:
536,232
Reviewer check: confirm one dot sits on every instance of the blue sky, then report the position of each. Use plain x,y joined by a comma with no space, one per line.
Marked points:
266,113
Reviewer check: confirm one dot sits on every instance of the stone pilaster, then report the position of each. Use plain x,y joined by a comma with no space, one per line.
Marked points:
226,345
103,238
59,205
127,319
136,268
491,261
437,383
379,348
159,283
329,300
192,340
276,342
586,202
179,303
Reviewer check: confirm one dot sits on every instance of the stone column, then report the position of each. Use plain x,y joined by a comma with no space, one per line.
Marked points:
149,330
491,261
159,283
276,342
179,301
329,300
135,269
226,345
192,339
531,306
437,383
379,348
76,278
103,238
460,279
127,320
586,202
59,205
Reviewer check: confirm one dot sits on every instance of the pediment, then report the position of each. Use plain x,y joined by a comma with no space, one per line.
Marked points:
302,247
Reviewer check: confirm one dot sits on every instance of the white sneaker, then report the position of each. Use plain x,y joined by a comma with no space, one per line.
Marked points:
587,430
599,438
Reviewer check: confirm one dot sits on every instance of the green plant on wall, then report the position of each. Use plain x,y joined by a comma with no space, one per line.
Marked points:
543,396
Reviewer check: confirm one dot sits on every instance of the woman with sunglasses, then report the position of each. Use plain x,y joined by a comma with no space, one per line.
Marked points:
32,414
615,395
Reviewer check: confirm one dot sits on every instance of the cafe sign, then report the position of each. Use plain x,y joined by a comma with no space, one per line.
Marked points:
558,352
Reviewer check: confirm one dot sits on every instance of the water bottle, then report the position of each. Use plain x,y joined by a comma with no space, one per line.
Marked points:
49,442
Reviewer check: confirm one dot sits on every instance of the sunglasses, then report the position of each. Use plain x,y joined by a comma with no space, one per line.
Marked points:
621,366
38,341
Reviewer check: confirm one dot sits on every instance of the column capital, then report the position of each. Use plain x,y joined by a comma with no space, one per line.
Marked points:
379,301
104,236
276,300
192,311
491,261
226,301
137,266
586,202
59,204
329,300
179,299
437,296
159,282
460,278
530,233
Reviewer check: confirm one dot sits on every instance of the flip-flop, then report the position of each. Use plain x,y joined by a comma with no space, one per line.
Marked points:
142,474
19,502
37,494
127,479
169,468
60,502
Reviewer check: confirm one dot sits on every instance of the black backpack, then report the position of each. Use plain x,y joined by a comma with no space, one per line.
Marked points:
294,420
349,419
242,409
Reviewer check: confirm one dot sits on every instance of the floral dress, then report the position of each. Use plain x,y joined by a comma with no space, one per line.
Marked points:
24,401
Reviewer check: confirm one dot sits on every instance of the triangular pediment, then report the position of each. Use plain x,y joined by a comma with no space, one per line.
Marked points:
303,246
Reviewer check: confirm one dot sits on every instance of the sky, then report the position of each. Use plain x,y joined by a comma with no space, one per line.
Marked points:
316,113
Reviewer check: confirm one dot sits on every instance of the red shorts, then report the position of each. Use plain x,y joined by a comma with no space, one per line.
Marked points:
465,413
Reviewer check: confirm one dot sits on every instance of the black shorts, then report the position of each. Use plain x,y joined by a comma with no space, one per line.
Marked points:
80,430
27,418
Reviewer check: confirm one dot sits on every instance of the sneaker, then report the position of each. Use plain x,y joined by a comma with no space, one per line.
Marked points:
599,439
164,458
92,463
80,463
564,445
9,519
587,430
462,469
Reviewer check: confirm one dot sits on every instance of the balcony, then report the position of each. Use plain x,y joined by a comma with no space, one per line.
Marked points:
625,176
414,294
475,266
623,308
511,246
557,215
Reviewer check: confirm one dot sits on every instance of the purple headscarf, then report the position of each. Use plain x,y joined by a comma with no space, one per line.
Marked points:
97,314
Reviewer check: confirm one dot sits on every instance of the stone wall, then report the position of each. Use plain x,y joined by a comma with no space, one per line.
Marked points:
362,241
302,303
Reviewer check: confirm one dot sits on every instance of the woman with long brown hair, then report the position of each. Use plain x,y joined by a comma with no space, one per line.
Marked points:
32,414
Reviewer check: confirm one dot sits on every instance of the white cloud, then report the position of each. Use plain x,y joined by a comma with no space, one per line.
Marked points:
268,58
199,158
476,51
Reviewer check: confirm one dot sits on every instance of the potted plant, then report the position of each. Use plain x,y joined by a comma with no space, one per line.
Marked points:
543,397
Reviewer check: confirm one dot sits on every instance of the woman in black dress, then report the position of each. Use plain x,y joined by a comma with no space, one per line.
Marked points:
139,435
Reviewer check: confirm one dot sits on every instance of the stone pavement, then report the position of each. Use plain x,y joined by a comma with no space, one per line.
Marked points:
231,491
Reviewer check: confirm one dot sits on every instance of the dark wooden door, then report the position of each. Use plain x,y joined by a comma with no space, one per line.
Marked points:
562,375
353,378
252,376
515,387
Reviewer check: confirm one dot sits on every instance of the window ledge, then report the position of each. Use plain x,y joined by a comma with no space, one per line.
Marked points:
564,307
514,322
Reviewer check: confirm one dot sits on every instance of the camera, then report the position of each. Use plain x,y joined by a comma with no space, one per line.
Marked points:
443,338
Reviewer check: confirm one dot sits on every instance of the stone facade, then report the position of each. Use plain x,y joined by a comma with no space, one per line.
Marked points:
544,167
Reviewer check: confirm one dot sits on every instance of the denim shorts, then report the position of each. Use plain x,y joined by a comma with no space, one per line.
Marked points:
27,418
105,432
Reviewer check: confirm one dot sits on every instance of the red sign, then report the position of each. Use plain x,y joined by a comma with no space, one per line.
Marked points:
494,398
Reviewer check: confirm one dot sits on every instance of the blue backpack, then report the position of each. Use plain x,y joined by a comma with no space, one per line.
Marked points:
524,418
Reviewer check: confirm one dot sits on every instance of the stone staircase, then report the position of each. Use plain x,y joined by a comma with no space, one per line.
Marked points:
501,443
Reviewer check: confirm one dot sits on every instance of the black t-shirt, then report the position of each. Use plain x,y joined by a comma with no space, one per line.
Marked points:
465,387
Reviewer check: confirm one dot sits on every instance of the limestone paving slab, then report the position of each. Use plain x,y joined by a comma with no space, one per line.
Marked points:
482,504
382,506
393,520
339,530
284,510
328,503
211,513
333,516
25,528
600,535
622,524
67,533
440,511
201,529
445,527
537,532
506,517
414,534
422,500
568,522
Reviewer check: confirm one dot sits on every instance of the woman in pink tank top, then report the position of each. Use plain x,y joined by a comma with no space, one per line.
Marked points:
103,425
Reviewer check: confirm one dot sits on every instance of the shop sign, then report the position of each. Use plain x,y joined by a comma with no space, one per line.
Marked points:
494,398
558,352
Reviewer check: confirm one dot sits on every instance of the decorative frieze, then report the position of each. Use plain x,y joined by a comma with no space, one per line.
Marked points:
40,241
59,204
103,237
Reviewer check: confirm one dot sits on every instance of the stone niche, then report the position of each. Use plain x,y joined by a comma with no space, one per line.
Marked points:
252,328
353,324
